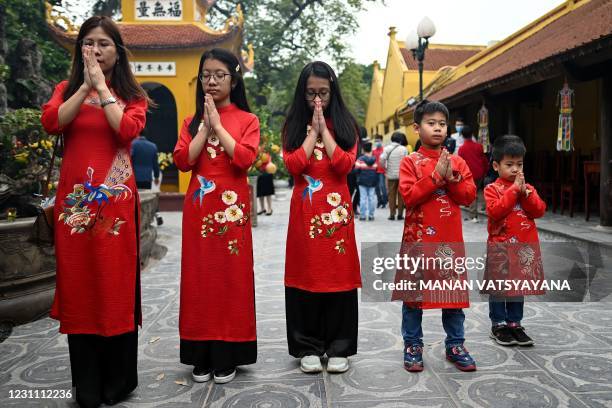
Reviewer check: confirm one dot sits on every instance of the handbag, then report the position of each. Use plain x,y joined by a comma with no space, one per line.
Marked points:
42,231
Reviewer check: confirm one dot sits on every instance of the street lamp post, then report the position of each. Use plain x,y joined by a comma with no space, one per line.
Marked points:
417,42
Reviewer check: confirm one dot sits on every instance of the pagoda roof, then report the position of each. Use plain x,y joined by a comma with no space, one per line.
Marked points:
159,36
439,56
588,23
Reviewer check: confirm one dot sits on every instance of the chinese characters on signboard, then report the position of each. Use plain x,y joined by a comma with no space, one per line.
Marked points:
154,68
158,10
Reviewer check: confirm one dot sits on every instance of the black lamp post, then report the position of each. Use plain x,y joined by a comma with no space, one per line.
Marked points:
417,42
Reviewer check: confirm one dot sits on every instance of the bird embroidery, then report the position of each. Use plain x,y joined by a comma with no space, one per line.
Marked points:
206,186
313,186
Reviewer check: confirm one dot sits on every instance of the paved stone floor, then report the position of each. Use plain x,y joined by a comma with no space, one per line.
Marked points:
571,366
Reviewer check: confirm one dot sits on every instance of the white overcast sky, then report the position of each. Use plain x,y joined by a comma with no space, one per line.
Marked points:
457,22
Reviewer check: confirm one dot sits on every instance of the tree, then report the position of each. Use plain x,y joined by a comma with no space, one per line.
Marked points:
286,34
26,19
355,83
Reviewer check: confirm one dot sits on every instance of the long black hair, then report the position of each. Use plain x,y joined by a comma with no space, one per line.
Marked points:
122,80
299,115
237,93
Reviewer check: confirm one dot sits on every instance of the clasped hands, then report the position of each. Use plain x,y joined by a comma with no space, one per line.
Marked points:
519,181
210,119
318,125
93,76
444,166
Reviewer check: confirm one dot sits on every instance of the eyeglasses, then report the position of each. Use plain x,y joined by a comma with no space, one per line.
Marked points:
323,94
101,44
219,76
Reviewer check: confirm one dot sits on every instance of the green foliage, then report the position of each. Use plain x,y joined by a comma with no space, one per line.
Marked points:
25,149
26,19
287,34
355,84
5,72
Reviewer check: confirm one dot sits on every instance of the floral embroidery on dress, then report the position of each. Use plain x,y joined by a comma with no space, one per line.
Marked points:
213,146
319,146
84,206
221,221
313,186
328,223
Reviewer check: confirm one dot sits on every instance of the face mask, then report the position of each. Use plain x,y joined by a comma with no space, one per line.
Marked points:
378,144
459,128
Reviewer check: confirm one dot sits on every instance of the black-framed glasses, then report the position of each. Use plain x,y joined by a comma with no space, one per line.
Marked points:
219,76
324,94
101,44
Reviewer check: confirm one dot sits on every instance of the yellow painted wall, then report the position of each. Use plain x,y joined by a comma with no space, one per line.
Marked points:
390,89
374,111
182,87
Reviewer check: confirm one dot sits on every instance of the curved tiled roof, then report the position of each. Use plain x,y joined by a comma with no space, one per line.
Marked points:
584,25
160,36
436,58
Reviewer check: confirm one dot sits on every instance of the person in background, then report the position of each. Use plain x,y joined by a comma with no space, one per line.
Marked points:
265,188
367,180
477,161
390,159
457,137
381,186
144,160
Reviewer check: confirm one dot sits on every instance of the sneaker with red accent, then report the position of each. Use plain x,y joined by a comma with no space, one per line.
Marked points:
459,356
413,358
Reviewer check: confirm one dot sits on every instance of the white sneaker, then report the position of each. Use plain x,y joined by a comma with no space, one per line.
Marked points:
201,375
224,377
311,364
337,364
474,220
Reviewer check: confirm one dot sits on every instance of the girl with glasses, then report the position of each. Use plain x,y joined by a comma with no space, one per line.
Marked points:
217,144
99,110
321,266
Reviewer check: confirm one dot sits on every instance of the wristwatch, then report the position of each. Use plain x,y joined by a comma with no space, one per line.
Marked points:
108,101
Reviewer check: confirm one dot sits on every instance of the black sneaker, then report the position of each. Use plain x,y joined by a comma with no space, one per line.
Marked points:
400,217
201,374
370,218
391,218
224,376
518,331
503,335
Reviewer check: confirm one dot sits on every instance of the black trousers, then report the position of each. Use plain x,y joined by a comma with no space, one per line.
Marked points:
217,354
104,369
146,185
321,323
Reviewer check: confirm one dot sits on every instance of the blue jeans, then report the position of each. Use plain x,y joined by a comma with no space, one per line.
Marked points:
503,310
367,201
381,190
452,321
